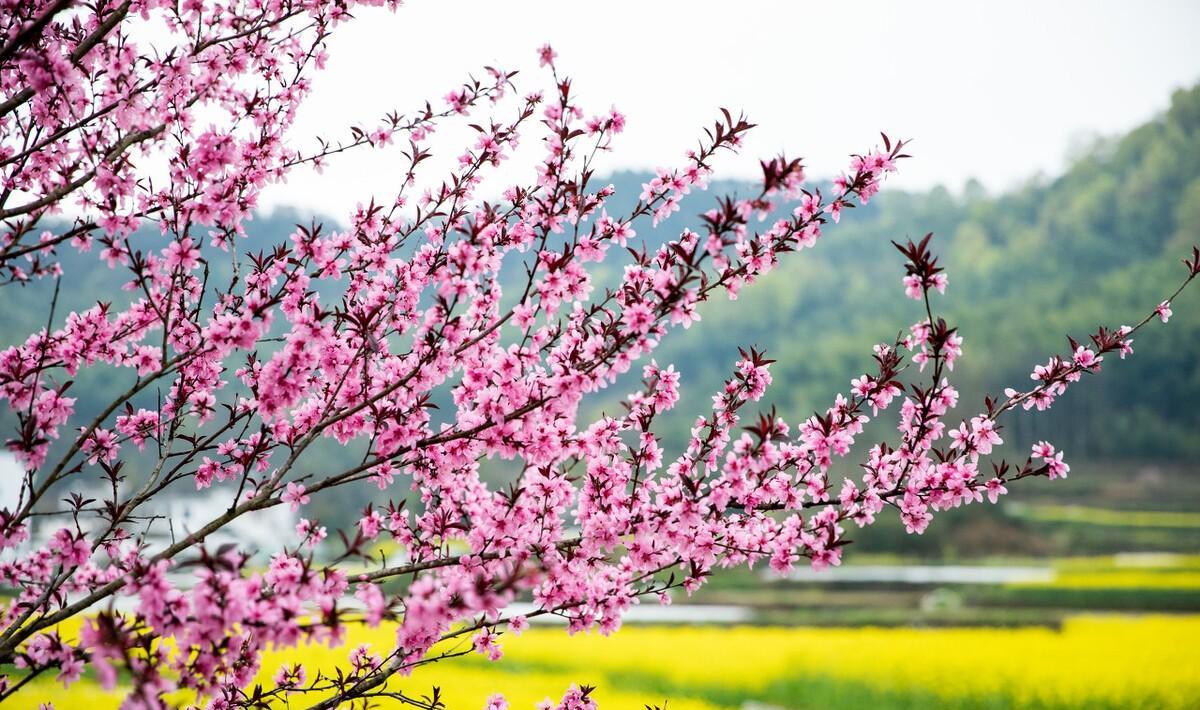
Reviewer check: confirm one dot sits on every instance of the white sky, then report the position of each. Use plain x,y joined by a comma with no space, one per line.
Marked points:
996,91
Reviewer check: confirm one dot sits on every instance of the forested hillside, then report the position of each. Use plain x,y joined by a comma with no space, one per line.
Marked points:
1098,245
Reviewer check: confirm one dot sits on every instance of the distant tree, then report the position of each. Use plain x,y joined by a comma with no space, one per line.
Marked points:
352,335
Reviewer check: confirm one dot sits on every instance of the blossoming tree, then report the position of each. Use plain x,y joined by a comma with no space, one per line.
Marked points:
175,115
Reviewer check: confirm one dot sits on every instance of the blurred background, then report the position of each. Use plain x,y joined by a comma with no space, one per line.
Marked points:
1057,162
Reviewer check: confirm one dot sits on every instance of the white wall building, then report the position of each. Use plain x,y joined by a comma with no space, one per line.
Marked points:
177,513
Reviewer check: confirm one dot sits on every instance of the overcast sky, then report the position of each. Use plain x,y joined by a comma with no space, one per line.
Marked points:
996,91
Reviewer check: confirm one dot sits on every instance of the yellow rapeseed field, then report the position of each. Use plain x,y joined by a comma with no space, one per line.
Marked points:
1122,579
1093,661
1124,572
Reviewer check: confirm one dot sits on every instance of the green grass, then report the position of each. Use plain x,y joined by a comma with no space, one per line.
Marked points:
1087,515
1111,599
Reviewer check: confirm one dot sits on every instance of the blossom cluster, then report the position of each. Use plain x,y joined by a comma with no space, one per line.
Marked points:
405,339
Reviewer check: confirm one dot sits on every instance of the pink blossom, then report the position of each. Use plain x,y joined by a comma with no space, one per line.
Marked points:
449,343
294,496
995,489
1056,468
1086,358
486,643
1043,450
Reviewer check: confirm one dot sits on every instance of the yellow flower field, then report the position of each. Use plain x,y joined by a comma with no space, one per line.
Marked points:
1121,579
1093,661
1124,572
